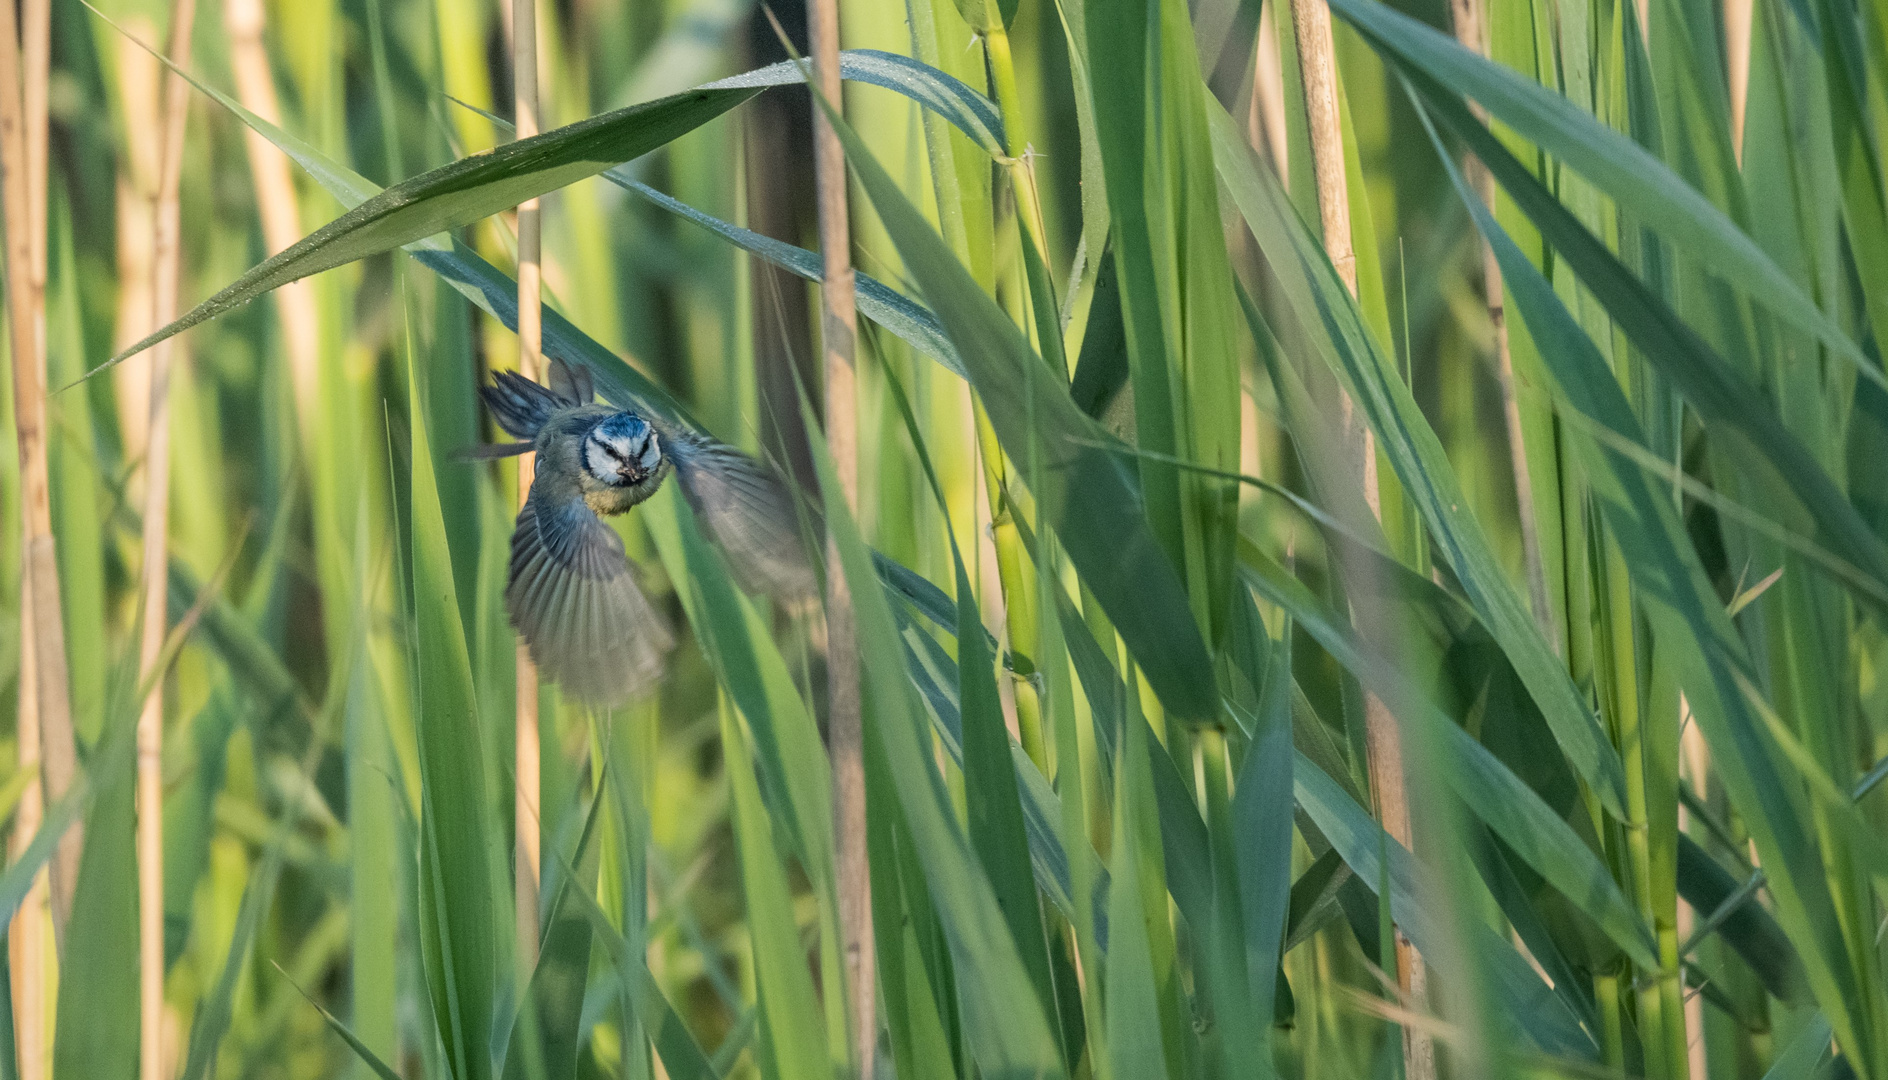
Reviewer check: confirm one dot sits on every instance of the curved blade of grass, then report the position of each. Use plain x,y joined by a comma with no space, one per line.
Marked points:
896,312
1359,840
466,191
1093,503
1707,382
213,1013
1799,1060
1495,795
1262,802
972,113
791,1024
1688,620
1007,1029
458,911
1321,300
554,996
885,306
100,933
681,1056
1139,990
1748,928
931,670
1007,836
740,645
368,1057
1610,160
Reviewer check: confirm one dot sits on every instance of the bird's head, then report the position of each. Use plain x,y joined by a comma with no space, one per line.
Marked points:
622,450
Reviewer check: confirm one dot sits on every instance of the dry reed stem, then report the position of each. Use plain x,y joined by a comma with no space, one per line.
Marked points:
276,203
167,249
1317,66
845,735
139,77
36,53
1471,30
524,66
1737,28
39,562
26,934
26,940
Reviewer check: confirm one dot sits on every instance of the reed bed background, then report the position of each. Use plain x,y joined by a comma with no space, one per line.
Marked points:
1366,557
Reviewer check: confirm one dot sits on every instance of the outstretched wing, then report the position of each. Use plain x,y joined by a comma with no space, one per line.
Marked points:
574,599
747,511
519,405
571,382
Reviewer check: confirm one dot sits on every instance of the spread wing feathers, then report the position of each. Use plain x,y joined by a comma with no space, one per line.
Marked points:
575,601
572,382
747,511
491,451
519,405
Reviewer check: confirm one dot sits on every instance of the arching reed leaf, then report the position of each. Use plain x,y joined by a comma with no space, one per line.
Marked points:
476,187
1489,789
1690,623
970,112
1719,394
466,191
1322,304
1529,1003
459,915
790,1021
1612,161
1008,1032
885,306
1094,504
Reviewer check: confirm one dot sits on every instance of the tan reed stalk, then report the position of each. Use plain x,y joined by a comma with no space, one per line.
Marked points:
1471,31
845,735
36,56
276,203
167,248
524,67
26,934
138,87
26,941
39,562
1737,25
1317,65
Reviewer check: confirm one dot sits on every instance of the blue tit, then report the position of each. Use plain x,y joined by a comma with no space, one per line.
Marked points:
571,593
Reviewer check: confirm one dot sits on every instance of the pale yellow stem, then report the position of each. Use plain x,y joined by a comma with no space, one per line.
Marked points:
1317,66
39,562
276,203
845,735
1737,28
26,934
524,66
138,88
167,248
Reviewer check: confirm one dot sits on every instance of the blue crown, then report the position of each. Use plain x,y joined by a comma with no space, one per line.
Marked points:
623,425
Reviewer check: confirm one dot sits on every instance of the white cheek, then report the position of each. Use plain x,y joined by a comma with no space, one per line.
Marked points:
651,455
597,461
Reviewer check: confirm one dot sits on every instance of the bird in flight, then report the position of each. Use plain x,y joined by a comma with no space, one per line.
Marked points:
571,593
